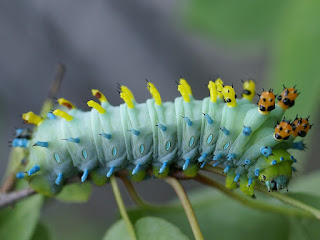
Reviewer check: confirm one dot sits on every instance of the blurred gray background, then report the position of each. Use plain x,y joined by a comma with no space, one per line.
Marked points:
102,43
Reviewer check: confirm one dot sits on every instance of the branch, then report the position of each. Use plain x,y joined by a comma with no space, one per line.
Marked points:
249,202
134,194
122,207
186,205
9,198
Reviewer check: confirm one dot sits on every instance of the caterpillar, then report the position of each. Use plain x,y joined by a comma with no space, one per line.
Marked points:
250,142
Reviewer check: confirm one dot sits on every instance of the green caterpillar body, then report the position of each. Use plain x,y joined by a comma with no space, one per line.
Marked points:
187,133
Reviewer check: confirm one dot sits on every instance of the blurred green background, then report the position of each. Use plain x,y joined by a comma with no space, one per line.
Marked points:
105,42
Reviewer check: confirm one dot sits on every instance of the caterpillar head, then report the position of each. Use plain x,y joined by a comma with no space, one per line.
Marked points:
266,102
282,130
248,91
277,176
300,127
229,96
287,97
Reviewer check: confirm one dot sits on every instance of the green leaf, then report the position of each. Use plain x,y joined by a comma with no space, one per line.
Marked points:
20,220
296,51
157,229
41,232
146,228
237,22
76,192
307,184
218,214
117,231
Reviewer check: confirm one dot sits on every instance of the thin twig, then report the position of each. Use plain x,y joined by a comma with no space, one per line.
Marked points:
8,183
54,88
283,197
60,71
215,170
122,207
249,202
287,199
9,198
133,193
175,184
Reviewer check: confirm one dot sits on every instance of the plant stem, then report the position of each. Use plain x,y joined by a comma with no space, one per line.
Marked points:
9,198
284,198
8,183
133,193
251,203
287,199
54,88
216,170
187,206
122,207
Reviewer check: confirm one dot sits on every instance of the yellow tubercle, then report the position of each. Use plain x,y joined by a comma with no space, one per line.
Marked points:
66,103
96,93
219,86
127,91
184,93
155,93
249,90
127,99
213,91
32,118
186,85
96,106
62,114
229,96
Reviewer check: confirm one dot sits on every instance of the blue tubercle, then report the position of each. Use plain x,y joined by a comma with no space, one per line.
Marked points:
227,168
84,175
246,131
217,157
163,167
136,169
20,142
247,161
299,145
59,179
19,131
188,121
203,164
135,132
257,172
266,151
224,130
106,135
162,127
249,182
293,159
208,118
33,170
236,178
20,175
274,162
41,144
281,159
186,164
231,156
110,172
73,140
202,157
215,164
51,116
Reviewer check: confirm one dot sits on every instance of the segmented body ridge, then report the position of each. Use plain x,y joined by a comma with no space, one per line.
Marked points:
219,130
